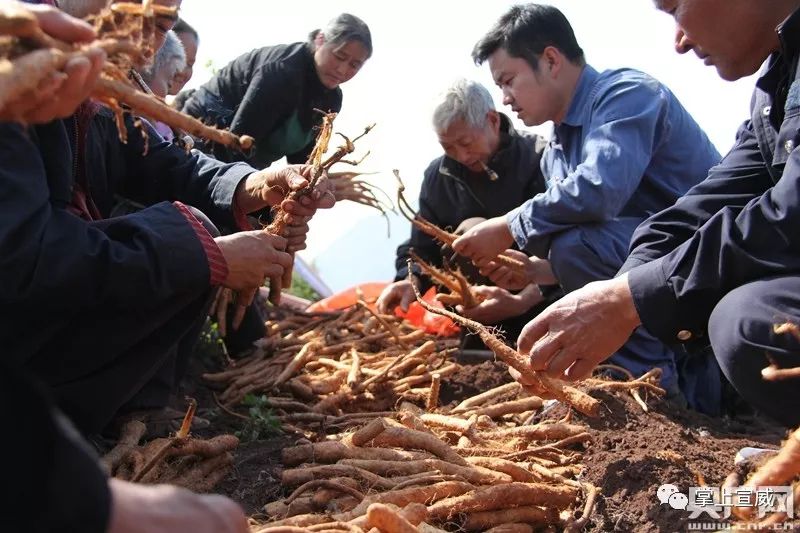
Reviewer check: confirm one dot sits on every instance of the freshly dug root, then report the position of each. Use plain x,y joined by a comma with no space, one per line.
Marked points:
553,388
540,431
504,496
433,396
329,484
427,495
416,440
472,474
527,514
204,448
292,477
508,389
306,352
510,468
577,525
204,476
778,470
387,520
513,407
333,451
132,432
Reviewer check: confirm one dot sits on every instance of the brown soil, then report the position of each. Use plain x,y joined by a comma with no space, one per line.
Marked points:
633,452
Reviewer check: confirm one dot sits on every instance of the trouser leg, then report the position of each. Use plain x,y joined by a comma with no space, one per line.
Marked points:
742,335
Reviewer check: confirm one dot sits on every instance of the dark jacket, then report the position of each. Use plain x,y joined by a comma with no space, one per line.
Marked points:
271,94
451,193
53,481
50,259
740,224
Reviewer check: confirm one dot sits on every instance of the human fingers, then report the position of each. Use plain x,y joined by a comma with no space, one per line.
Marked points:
582,369
407,298
531,333
58,24
225,296
543,351
561,360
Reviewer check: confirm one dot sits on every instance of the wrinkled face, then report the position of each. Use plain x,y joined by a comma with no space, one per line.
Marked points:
470,145
190,46
734,36
530,93
163,80
337,64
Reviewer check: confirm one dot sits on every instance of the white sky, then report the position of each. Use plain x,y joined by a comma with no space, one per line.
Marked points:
420,47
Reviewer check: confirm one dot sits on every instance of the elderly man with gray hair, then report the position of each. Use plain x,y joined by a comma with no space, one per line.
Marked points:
488,167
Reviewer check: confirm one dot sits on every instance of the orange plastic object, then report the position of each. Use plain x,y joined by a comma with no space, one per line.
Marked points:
369,292
417,315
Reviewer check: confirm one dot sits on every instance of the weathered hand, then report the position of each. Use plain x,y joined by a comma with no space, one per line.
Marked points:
499,304
572,336
397,293
485,241
536,271
270,187
165,509
253,256
59,92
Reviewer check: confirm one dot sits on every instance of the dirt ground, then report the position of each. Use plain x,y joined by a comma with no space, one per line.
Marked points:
632,454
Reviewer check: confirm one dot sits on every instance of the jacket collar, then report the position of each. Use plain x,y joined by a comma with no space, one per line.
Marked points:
579,106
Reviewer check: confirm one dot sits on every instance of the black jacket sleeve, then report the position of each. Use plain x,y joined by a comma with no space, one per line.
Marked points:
164,171
753,236
53,259
52,481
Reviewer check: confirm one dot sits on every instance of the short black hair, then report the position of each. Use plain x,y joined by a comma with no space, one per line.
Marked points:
183,27
525,31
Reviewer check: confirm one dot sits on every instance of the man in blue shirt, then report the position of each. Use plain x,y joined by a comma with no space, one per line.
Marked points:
723,262
623,149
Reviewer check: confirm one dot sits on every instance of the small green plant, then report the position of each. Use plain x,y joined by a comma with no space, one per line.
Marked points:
210,348
262,422
302,289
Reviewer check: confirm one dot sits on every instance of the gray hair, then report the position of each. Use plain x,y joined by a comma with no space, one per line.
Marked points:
343,29
170,55
466,100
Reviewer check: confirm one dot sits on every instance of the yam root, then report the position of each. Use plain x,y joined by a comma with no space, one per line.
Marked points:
554,388
504,496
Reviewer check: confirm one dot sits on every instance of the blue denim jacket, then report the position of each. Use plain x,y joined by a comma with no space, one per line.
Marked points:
626,148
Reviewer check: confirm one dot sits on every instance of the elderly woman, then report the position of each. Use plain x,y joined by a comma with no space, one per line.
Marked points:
169,61
272,93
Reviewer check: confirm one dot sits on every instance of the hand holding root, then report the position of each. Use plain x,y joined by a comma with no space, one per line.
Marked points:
545,387
125,32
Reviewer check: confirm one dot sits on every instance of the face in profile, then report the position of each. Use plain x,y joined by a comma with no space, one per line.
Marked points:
190,46
733,36
338,63
528,92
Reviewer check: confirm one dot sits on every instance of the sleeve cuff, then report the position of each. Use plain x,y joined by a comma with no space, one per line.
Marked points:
513,219
217,265
655,301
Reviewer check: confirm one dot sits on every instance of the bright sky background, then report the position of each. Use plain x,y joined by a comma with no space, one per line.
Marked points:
420,47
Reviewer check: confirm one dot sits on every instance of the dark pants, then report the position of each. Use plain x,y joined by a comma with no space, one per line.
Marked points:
593,252
741,333
105,361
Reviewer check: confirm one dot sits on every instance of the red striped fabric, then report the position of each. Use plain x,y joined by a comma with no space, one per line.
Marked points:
216,261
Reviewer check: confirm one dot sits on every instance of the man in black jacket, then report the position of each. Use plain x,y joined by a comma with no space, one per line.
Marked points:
488,169
106,311
722,264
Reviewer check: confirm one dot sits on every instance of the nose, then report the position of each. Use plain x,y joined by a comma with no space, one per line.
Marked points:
682,43
507,98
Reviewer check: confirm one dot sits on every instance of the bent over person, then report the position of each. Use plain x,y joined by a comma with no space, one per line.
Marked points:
623,148
488,168
722,263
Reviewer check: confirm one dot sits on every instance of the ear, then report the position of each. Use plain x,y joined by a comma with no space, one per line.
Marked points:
319,40
493,120
552,61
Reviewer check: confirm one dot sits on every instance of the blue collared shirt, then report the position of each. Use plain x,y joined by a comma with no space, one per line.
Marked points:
626,148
